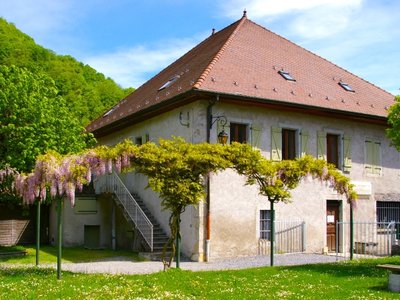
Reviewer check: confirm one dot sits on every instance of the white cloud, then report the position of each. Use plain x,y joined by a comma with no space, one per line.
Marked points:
261,9
133,66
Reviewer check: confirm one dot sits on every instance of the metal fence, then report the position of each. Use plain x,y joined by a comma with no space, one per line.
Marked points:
290,237
387,211
369,238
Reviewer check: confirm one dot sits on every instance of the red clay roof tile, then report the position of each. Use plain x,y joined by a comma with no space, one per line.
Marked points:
244,59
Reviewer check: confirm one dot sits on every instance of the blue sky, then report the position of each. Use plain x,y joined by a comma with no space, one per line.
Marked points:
130,41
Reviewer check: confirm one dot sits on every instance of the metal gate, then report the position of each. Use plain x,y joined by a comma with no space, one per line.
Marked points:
369,238
289,238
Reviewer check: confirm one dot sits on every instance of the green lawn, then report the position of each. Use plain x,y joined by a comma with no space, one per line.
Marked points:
346,280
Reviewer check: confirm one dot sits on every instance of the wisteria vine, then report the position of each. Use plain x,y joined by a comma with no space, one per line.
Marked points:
56,175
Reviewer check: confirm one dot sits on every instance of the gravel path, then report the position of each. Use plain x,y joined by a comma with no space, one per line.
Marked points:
120,265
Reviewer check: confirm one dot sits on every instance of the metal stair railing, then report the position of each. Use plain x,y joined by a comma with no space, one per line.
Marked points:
112,183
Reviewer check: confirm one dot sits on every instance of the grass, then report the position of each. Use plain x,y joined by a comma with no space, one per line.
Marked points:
346,280
48,254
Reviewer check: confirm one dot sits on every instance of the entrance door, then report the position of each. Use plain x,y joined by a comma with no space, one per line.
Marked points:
332,217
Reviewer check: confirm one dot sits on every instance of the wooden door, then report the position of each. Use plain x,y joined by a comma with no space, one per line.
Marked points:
332,217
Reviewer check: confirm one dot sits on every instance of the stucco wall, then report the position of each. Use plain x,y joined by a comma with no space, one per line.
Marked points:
235,207
73,223
188,122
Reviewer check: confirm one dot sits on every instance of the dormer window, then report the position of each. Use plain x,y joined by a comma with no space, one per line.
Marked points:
169,82
286,75
346,86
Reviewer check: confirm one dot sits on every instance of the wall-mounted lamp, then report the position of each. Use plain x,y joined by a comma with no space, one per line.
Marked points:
222,136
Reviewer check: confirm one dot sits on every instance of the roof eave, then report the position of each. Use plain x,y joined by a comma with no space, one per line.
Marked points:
297,107
146,113
195,94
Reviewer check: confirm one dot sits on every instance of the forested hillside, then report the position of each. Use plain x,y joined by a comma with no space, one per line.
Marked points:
87,92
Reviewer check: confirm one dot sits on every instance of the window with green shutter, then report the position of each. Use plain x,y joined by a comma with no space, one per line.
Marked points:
287,144
373,164
335,148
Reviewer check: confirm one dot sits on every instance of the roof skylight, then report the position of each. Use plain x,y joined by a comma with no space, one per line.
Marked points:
110,111
346,86
169,82
286,75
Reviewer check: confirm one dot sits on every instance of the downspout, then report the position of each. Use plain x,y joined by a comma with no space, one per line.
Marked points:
211,103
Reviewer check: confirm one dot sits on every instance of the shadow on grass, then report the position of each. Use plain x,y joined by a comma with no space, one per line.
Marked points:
48,254
357,268
24,272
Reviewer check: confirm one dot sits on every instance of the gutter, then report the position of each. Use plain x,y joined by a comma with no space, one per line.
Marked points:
211,103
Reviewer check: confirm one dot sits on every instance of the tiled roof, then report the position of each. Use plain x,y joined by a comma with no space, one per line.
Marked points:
244,59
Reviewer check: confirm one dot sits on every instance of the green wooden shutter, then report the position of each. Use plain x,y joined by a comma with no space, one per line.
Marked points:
321,145
346,153
146,138
276,143
369,153
305,145
256,130
376,158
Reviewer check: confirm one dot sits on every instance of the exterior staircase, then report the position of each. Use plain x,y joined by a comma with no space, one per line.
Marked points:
160,238
137,215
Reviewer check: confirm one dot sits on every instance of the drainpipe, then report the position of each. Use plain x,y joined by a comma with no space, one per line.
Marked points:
208,220
113,237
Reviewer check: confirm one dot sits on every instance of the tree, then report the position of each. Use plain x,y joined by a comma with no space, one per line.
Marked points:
33,119
87,93
394,121
176,170
276,179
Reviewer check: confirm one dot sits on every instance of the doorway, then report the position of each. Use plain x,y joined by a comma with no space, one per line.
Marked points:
332,217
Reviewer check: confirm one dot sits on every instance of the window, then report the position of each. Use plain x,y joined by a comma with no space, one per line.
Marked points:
346,86
332,149
387,211
373,157
85,205
288,143
289,148
265,224
286,75
335,149
238,133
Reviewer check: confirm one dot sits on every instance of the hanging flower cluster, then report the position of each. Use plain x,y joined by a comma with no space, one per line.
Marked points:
58,175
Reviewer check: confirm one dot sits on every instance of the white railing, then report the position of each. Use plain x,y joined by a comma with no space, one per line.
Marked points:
290,237
112,183
369,238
